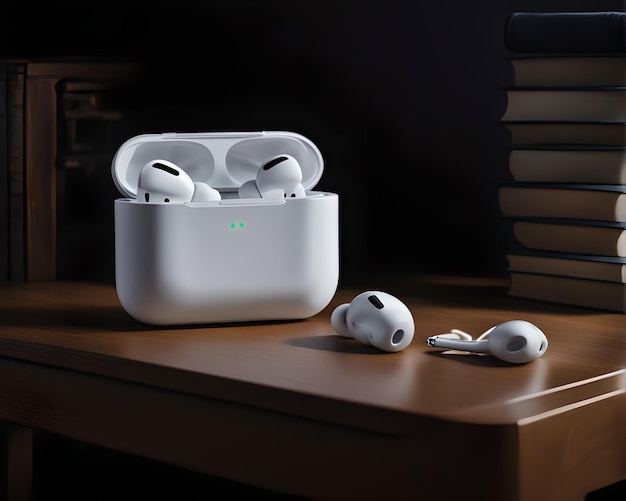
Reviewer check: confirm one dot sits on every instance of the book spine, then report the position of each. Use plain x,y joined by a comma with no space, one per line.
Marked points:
566,32
11,173
4,179
15,163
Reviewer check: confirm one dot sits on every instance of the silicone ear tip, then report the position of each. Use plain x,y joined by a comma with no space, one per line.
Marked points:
338,320
249,189
204,193
397,341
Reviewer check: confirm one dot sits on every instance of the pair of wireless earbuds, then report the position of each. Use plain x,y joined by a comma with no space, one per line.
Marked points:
373,317
381,320
162,181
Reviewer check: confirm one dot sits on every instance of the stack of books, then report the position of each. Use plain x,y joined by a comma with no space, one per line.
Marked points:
566,115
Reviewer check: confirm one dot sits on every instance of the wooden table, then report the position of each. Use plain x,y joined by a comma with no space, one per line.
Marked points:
294,408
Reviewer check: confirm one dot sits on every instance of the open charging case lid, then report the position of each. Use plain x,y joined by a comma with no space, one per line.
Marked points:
223,160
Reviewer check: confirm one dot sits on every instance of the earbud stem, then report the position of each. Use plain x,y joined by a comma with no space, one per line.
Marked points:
474,346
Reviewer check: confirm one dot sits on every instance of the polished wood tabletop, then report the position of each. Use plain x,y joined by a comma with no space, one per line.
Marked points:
303,370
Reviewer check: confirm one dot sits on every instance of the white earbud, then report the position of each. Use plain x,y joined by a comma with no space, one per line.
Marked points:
161,181
514,341
278,177
375,318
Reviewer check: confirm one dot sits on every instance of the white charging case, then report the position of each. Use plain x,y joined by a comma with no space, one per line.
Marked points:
232,260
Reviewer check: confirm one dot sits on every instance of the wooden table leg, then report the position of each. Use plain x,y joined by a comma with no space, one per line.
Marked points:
16,463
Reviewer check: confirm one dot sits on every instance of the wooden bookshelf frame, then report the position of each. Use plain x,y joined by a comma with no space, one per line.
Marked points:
34,141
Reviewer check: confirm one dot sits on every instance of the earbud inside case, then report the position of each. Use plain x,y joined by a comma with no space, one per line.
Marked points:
232,260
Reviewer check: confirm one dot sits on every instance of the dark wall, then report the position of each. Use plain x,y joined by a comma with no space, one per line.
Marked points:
402,98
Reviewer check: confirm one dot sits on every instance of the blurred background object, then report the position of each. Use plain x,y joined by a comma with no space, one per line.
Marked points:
402,98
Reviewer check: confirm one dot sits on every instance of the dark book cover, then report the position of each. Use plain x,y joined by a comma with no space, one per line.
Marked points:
566,32
558,134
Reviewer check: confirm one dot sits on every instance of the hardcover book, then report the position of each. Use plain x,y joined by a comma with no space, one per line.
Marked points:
572,201
597,294
566,32
569,71
574,236
562,164
610,269
566,104
567,133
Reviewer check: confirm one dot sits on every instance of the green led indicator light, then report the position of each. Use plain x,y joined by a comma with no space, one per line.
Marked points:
234,225
241,225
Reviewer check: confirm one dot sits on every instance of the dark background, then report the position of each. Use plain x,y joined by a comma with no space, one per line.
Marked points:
403,99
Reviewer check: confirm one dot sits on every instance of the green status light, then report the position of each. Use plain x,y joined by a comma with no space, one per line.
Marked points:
234,225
